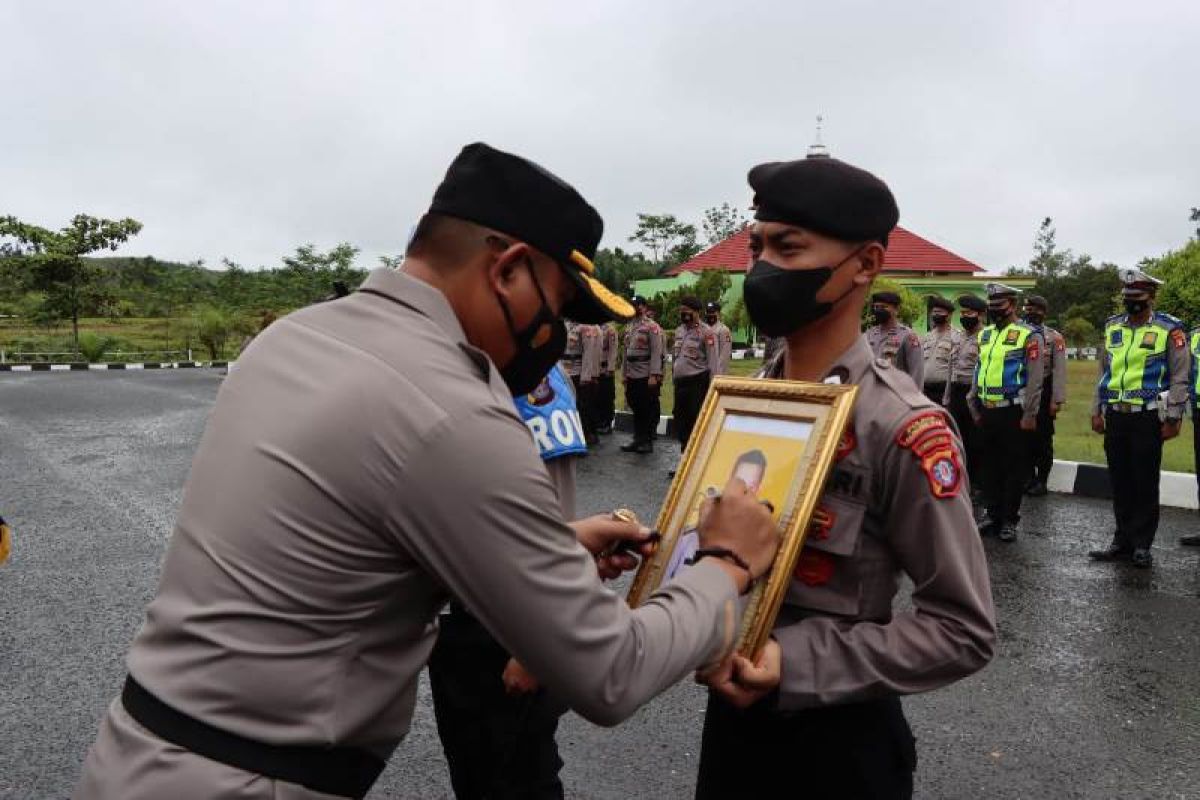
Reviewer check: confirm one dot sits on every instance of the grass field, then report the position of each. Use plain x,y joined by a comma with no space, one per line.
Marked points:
1073,440
132,334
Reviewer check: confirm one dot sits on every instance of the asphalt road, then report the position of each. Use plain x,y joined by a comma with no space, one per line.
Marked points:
1094,692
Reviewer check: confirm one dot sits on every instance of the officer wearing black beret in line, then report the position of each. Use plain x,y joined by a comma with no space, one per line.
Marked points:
721,332
971,311
893,340
642,373
364,467
939,347
1054,394
695,361
819,715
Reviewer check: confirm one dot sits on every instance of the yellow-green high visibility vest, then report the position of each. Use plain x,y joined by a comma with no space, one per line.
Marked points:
1000,373
1138,369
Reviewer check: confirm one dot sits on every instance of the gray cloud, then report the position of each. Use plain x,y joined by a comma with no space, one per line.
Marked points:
243,129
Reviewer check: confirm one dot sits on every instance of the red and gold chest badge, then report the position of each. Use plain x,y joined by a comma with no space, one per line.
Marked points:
1032,349
1177,338
931,442
1012,336
821,524
814,568
847,443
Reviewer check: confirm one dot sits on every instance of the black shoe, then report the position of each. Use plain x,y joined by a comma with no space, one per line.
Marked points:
644,449
1190,541
671,473
1037,490
1114,552
987,525
1008,533
1142,558
605,431
632,447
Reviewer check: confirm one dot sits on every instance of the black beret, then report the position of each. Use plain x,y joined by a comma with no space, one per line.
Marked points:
937,301
825,195
1037,301
637,300
972,302
516,196
886,297
690,302
711,306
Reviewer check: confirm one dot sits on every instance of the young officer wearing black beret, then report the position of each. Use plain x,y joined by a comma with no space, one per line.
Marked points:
820,710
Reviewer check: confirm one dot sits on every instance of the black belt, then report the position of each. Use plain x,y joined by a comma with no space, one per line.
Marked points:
632,359
699,376
341,771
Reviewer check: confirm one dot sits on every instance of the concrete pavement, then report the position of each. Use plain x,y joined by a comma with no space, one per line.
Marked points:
1094,692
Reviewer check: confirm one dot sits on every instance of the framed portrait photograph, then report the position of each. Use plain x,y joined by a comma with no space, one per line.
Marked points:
780,438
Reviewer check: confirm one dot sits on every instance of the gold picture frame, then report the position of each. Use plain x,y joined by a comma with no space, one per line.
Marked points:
782,437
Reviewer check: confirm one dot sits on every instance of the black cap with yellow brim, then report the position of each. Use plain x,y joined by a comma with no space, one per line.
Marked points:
515,196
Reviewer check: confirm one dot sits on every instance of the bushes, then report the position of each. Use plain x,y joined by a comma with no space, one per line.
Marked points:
93,346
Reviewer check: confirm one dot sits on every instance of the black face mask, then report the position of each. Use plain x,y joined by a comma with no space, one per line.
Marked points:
969,324
539,345
881,315
711,320
782,301
1136,306
997,315
686,318
1035,317
939,319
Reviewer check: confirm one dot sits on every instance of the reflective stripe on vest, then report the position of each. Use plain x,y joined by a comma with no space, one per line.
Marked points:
1000,373
552,417
1137,362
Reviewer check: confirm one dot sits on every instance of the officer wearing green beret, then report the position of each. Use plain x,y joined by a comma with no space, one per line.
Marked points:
1005,399
1138,405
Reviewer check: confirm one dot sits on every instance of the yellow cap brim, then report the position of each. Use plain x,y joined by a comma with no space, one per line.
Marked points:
594,302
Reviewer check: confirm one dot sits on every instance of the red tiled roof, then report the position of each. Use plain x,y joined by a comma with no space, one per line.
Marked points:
906,252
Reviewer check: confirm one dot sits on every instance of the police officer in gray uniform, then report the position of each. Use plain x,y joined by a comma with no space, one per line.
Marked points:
1054,394
642,373
970,315
893,340
821,708
367,465
696,360
724,337
939,347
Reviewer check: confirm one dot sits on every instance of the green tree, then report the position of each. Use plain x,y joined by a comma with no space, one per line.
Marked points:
1180,272
1079,332
670,241
56,264
213,328
619,270
710,285
721,222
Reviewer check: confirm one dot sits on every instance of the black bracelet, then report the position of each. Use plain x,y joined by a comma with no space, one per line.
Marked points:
728,555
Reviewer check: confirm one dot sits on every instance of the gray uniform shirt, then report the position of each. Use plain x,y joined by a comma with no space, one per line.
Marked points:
643,349
695,351
1056,364
724,339
896,503
938,348
583,357
365,464
965,358
901,346
608,348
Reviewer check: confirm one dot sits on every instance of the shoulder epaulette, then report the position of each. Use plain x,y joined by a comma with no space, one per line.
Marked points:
1174,322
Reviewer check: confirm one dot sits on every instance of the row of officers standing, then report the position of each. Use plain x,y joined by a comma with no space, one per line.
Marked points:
702,349
1005,383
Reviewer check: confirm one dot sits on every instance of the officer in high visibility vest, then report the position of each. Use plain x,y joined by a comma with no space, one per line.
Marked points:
1139,404
497,727
1194,392
1004,401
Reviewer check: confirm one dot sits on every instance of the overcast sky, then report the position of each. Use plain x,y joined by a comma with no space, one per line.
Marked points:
242,129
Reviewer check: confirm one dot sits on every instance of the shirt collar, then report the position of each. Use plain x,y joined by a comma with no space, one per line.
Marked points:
417,295
849,367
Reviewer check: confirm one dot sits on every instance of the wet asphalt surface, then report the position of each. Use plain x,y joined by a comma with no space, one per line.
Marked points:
1094,691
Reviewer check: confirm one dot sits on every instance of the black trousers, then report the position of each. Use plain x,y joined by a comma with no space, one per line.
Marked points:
497,745
606,400
1196,447
655,407
935,391
849,752
972,436
585,401
1041,441
689,397
1006,472
1133,444
643,401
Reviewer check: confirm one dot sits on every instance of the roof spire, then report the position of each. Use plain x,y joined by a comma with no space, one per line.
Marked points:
817,149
